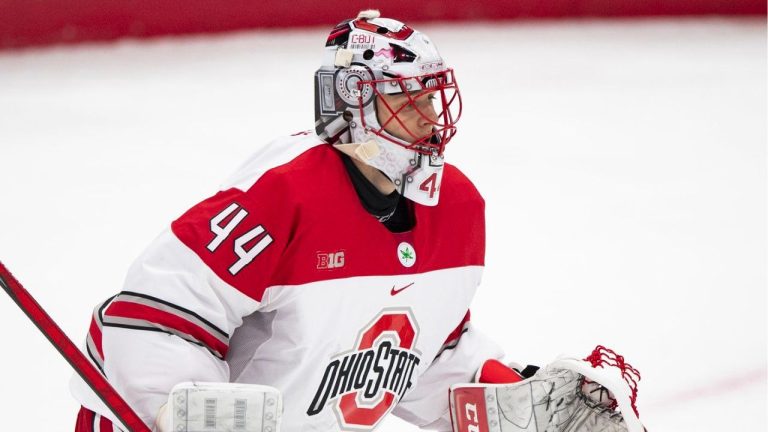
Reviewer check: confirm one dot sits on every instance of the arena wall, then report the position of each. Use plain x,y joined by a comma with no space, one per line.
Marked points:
25,23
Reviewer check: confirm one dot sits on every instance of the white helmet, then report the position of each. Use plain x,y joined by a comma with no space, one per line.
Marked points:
370,56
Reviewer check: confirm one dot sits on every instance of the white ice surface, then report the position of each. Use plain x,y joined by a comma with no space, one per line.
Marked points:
623,164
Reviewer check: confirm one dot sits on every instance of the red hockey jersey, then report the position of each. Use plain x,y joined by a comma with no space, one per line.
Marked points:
282,278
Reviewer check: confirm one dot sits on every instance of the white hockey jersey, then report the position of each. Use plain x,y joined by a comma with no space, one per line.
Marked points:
282,278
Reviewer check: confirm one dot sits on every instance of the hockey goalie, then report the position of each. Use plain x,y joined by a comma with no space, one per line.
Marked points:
327,283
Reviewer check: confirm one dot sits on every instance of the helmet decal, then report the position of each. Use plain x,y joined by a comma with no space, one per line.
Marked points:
347,85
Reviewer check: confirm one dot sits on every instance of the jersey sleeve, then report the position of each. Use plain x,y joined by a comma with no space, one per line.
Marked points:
462,354
187,293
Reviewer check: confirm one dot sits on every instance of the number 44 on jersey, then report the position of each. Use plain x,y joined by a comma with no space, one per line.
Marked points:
233,215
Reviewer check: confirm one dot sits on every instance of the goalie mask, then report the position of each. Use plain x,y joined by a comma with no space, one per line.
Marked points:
384,96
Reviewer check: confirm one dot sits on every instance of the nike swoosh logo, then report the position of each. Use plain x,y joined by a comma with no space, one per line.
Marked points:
398,291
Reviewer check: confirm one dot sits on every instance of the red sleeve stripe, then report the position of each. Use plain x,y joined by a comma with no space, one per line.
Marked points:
93,352
160,304
93,340
143,312
102,424
89,421
84,422
453,339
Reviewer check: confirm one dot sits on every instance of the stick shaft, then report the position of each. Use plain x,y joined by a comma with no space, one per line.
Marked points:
70,352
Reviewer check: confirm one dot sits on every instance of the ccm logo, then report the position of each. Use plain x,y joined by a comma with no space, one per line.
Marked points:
473,424
469,409
331,260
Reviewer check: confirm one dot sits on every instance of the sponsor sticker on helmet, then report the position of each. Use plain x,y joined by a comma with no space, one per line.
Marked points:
361,41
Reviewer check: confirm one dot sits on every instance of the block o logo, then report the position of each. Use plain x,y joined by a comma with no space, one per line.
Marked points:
367,381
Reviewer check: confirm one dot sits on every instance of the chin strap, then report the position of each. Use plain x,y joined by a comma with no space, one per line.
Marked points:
363,152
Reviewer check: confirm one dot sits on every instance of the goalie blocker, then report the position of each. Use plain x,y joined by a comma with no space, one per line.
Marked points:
221,407
569,395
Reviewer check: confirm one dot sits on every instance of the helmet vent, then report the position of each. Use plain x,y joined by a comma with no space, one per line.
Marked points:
339,35
402,55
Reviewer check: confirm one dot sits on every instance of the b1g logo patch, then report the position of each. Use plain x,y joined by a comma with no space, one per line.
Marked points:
330,260
364,384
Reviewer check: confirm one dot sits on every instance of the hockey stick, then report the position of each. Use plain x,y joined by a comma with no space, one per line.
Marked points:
70,352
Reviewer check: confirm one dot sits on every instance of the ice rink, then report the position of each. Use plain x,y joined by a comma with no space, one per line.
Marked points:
623,164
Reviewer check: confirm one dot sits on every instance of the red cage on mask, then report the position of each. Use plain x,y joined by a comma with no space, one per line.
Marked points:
441,114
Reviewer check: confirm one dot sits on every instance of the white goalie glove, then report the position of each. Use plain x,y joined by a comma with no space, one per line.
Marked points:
569,395
221,407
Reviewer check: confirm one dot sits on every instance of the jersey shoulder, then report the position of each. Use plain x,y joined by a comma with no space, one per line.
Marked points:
241,231
280,155
457,188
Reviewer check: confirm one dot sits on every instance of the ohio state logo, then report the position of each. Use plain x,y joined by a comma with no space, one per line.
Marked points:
365,383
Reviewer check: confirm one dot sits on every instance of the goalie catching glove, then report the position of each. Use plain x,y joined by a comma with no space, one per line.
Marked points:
568,395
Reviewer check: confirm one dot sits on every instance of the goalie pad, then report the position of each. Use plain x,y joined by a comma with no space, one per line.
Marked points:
558,398
222,407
